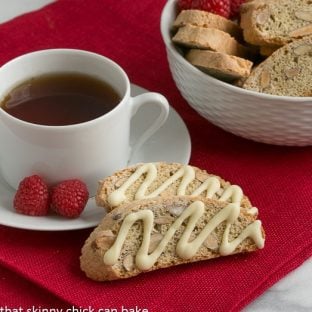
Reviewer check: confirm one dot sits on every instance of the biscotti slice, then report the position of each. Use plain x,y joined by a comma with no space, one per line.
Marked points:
286,72
271,22
162,232
222,66
148,180
209,20
210,39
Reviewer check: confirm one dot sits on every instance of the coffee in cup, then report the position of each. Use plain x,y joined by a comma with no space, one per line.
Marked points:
60,99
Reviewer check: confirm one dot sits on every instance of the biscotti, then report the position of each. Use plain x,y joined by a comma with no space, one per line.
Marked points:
220,65
210,39
158,233
286,72
271,22
162,179
208,20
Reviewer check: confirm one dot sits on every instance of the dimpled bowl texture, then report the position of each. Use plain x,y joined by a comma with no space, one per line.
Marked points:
280,120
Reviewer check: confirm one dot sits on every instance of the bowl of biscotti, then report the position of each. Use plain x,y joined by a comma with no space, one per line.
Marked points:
246,66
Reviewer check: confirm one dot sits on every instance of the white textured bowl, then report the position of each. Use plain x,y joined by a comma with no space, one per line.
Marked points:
280,120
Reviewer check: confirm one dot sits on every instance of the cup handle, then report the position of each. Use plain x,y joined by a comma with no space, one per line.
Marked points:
150,98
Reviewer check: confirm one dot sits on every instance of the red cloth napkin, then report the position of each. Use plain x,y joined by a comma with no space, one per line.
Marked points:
277,180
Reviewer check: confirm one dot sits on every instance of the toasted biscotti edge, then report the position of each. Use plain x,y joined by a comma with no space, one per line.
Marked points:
95,247
209,20
220,65
212,39
113,182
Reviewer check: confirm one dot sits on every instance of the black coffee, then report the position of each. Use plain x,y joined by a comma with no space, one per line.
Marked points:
60,99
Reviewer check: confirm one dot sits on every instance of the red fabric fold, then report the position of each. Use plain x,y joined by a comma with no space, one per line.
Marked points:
276,179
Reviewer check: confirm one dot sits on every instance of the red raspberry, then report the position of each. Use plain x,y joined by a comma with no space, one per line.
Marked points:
235,5
69,198
220,7
184,4
32,197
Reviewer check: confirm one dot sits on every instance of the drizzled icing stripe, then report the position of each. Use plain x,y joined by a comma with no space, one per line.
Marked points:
184,248
187,173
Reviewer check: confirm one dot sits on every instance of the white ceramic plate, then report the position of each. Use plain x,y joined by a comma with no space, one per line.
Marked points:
171,143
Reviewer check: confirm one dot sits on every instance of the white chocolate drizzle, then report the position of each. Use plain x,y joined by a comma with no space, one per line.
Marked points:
211,185
184,248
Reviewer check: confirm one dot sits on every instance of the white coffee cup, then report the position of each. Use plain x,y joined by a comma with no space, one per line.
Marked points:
89,150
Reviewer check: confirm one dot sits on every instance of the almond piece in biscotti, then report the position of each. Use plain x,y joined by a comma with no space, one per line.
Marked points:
303,49
262,17
176,210
211,241
304,15
163,220
128,263
155,239
292,72
105,238
265,78
300,32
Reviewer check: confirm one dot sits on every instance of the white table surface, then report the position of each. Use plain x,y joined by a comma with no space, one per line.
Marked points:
291,294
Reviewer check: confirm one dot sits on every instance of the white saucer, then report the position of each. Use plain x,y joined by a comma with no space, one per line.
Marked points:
171,143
